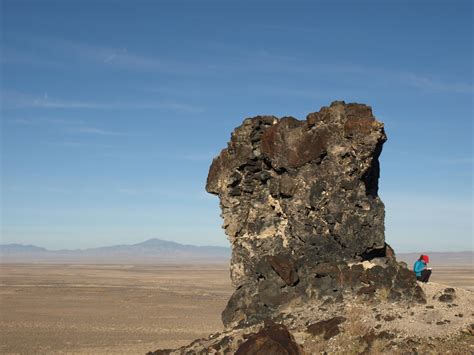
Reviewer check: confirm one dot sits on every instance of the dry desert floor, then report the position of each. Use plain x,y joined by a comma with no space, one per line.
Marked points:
121,309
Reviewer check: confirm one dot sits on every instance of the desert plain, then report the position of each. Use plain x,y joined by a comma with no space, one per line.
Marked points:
123,309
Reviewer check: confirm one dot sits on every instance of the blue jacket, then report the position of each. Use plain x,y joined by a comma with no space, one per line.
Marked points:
419,267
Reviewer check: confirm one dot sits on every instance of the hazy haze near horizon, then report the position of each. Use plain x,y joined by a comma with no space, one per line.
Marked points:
156,251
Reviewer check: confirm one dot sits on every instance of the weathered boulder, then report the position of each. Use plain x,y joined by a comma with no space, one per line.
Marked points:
301,209
274,339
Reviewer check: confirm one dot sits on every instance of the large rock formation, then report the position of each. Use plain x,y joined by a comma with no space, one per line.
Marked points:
310,265
301,209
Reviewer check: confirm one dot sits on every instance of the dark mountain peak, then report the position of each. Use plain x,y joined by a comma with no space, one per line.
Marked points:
155,242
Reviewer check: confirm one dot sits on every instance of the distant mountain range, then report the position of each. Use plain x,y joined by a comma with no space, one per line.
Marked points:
164,251
149,251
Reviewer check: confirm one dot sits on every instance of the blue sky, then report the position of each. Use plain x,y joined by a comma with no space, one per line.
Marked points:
113,110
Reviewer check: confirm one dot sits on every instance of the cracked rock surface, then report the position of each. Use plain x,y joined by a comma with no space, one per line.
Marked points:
301,209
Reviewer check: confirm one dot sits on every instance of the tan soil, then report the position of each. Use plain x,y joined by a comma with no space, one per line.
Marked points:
131,309
98,309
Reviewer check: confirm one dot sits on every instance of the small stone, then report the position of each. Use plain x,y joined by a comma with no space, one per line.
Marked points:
446,297
368,291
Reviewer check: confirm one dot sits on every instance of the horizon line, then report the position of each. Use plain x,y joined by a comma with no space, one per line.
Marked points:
218,246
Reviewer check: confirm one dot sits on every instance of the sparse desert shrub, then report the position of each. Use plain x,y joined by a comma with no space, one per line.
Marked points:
345,345
377,347
349,346
355,325
383,293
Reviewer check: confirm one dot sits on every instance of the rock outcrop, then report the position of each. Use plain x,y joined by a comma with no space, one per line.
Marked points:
301,209
310,266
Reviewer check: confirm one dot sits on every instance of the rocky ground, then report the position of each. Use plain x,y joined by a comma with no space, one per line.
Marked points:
358,325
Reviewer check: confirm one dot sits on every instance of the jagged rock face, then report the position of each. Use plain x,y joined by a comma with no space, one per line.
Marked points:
300,206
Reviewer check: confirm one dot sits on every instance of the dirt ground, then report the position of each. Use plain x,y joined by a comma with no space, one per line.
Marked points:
125,309
458,276
95,309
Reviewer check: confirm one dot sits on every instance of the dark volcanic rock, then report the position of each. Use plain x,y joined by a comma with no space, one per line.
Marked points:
300,206
446,297
160,352
274,339
285,268
327,328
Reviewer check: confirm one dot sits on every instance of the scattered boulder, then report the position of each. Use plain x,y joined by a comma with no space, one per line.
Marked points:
448,296
450,291
273,339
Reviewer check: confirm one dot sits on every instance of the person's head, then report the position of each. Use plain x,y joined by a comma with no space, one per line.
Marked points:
424,258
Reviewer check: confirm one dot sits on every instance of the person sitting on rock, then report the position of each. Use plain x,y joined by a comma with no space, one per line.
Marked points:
421,269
